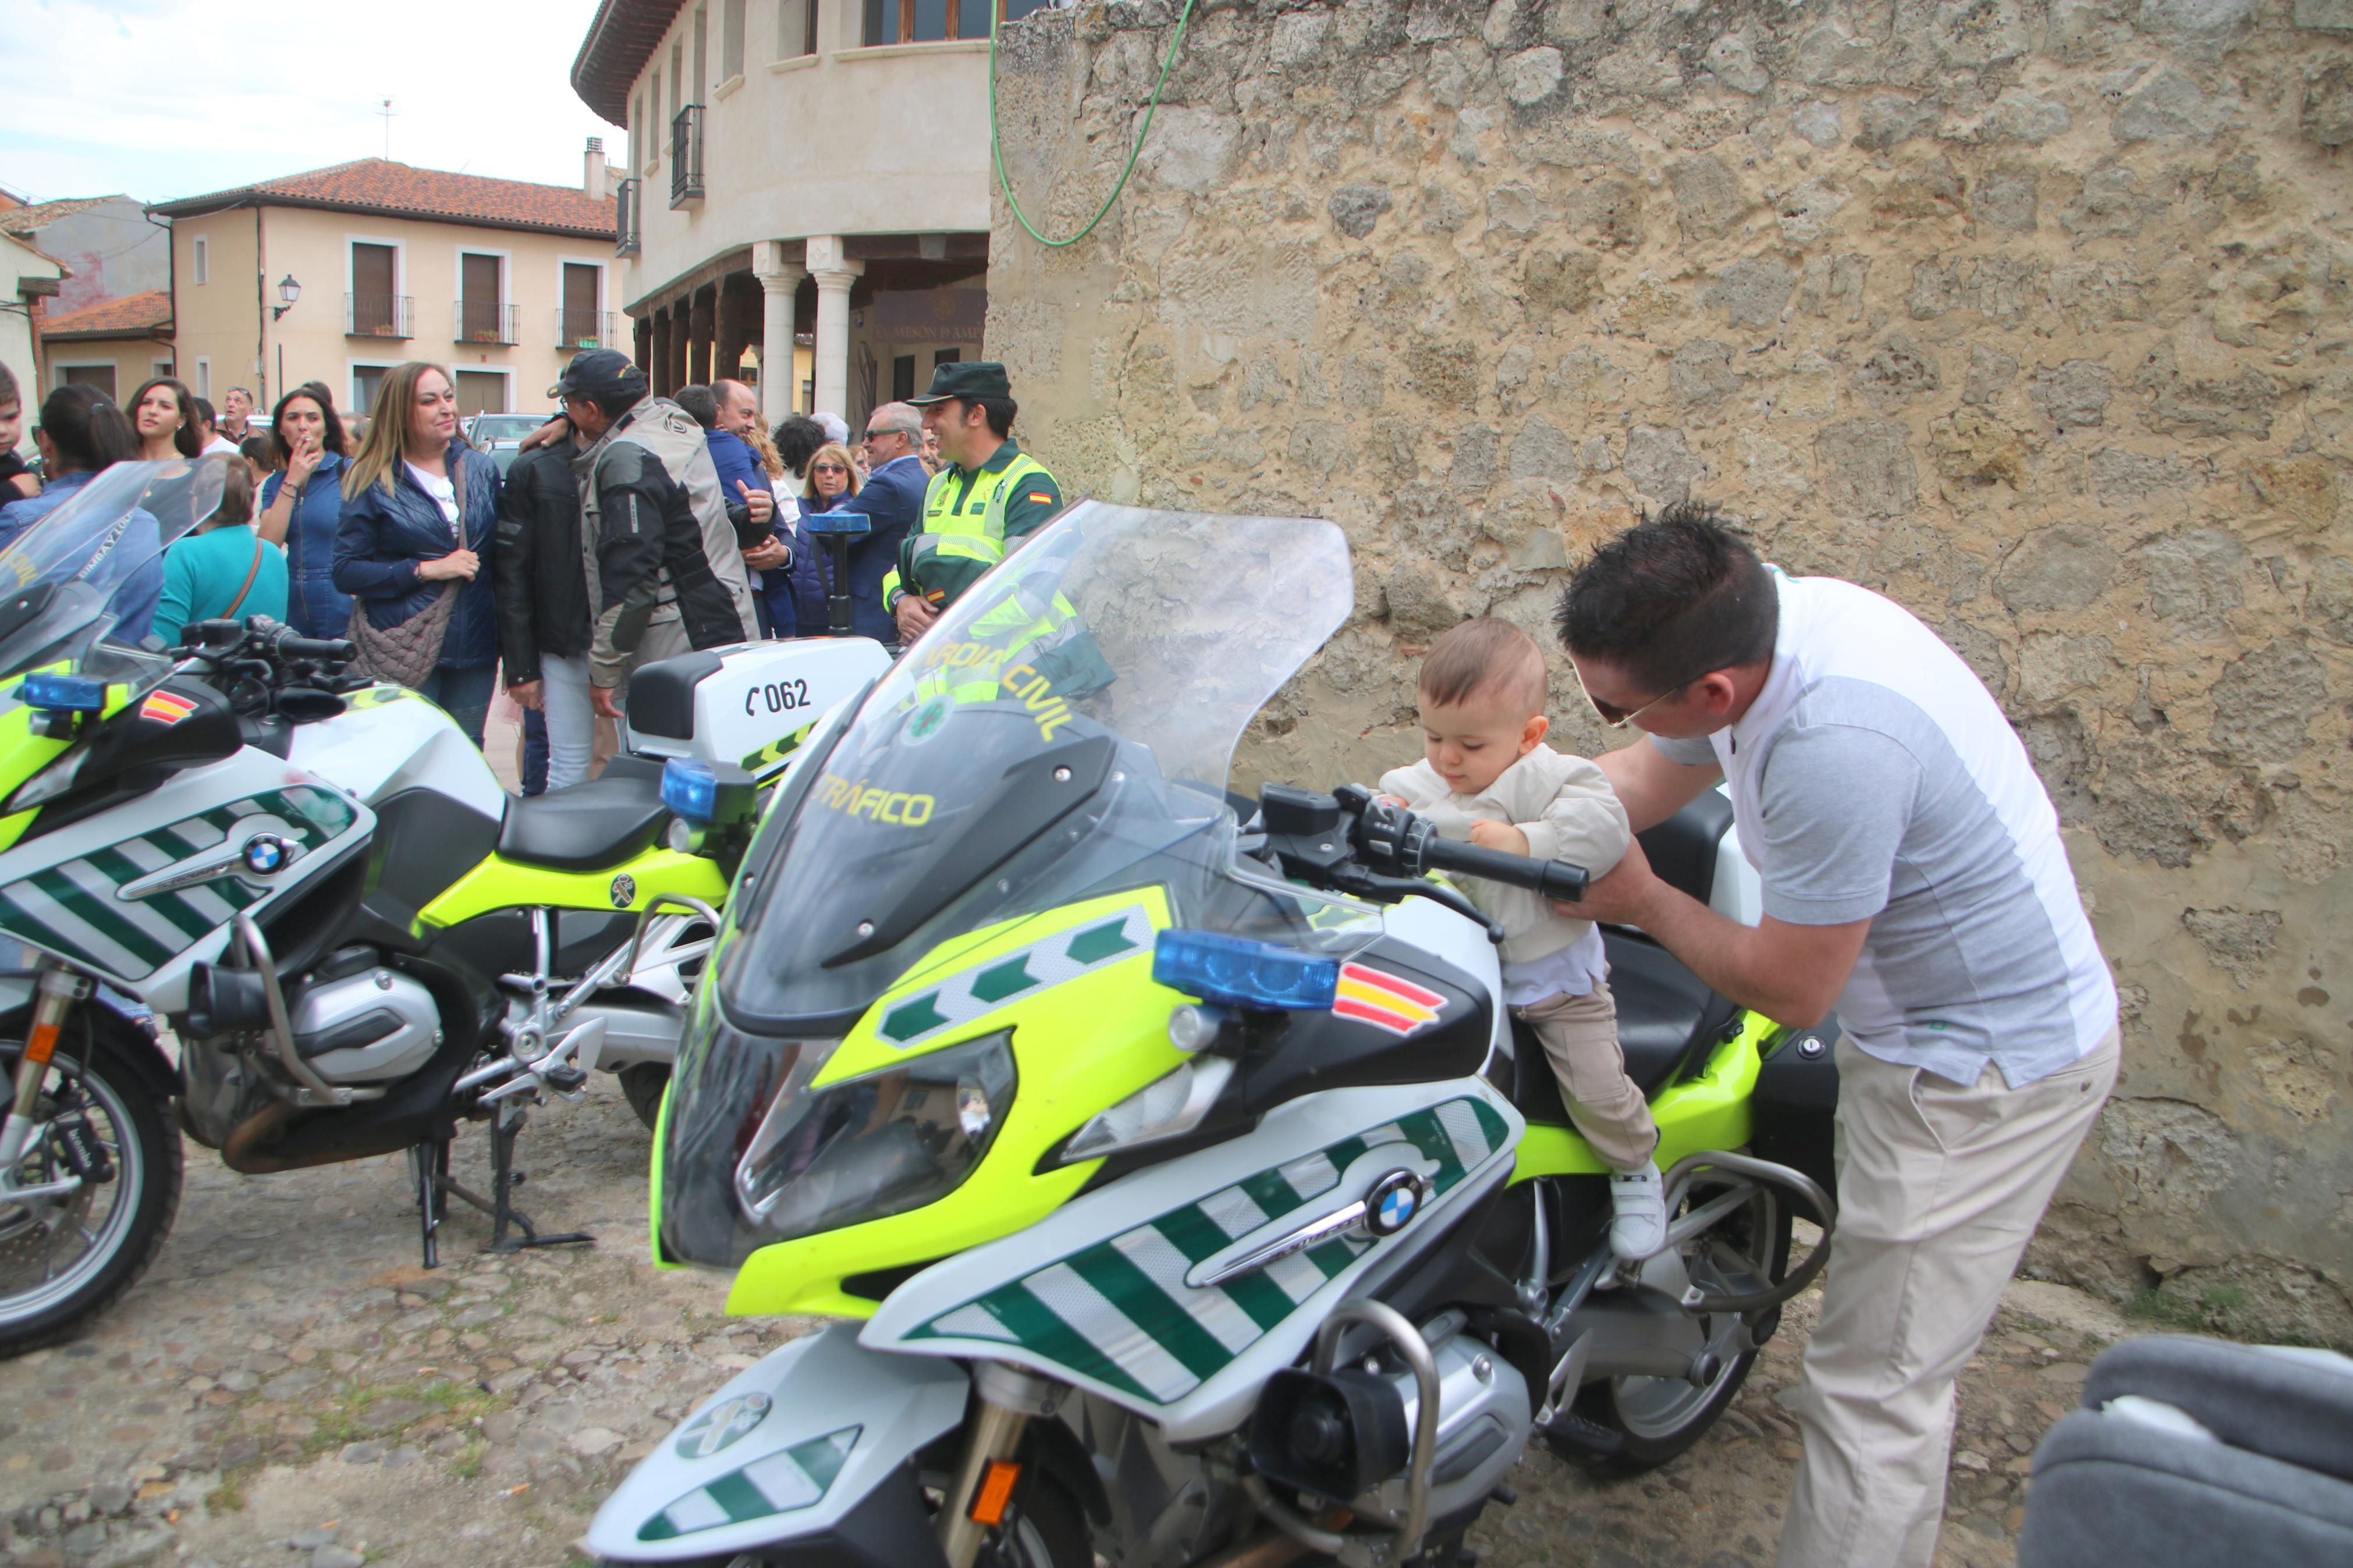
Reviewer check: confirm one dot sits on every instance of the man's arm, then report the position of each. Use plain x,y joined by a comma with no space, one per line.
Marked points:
1034,503
1652,786
511,580
629,566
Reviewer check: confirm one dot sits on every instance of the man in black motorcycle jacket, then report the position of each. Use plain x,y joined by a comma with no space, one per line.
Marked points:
664,564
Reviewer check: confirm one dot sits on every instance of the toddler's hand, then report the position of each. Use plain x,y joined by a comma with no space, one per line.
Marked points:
1500,836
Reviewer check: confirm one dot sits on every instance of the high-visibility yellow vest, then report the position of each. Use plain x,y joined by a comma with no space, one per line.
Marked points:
974,528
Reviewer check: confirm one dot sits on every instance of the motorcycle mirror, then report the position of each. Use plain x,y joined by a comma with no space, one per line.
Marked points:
307,704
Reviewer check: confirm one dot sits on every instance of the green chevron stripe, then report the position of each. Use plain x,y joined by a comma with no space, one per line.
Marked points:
1037,1326
99,918
118,869
14,919
1271,1192
1150,1308
739,1497
167,842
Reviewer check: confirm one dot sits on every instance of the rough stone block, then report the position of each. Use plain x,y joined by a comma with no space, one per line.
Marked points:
2019,115
1662,464
2265,702
1355,209
2328,116
1708,199
1541,452
1752,292
2073,394
1701,375
1889,120
2171,107
1990,370
1557,280
1869,470
1530,76
2056,569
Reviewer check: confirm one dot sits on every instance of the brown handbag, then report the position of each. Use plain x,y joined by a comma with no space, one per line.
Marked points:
405,654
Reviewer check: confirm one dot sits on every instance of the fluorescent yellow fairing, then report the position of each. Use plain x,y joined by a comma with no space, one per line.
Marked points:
1078,1045
1712,1111
23,753
499,883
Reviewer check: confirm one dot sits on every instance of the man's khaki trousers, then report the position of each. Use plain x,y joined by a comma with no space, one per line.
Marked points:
1939,1186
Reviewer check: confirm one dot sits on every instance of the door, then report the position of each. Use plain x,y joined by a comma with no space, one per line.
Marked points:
374,310
582,328
480,392
478,300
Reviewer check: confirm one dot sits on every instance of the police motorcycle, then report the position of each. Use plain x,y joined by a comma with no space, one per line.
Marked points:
1185,1189
357,937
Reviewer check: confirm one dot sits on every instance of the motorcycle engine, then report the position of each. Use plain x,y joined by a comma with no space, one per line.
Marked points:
364,1028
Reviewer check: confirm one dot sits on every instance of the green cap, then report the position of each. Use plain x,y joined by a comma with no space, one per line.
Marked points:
966,378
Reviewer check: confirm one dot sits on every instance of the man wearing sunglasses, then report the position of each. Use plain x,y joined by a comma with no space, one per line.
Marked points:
1915,878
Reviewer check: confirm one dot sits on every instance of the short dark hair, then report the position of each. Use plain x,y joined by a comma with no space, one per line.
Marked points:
205,415
797,437
998,412
1484,655
700,401
1673,598
258,449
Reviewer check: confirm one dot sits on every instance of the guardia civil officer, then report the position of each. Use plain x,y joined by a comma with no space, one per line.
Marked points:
989,495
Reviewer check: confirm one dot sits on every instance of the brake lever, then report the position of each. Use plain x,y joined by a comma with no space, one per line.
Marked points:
1355,880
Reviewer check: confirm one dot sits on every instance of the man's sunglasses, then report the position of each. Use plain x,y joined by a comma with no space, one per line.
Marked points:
1617,717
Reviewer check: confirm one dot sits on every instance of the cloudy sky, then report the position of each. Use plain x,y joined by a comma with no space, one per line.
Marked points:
161,98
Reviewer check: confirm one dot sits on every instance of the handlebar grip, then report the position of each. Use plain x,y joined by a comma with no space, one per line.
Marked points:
335,650
1547,879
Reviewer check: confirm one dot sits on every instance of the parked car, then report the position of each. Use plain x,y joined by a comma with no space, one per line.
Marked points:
500,435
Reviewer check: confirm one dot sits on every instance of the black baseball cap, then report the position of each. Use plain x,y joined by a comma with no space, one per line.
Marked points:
968,379
601,375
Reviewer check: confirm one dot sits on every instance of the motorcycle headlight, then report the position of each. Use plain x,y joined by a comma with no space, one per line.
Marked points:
878,1144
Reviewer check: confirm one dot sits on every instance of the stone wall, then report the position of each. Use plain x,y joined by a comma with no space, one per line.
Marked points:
2032,314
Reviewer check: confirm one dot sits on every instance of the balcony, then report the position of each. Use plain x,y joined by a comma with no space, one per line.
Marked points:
686,156
625,227
577,330
488,322
379,316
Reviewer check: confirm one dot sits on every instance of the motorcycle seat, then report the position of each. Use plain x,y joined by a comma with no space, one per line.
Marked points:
1668,1021
584,827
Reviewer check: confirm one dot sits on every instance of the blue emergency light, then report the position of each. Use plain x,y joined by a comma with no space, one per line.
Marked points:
54,693
689,788
1237,971
849,522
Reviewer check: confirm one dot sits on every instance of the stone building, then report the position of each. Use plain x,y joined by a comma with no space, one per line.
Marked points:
2032,314
808,188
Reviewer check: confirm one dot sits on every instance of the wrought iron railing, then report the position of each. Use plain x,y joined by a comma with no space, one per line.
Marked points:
627,201
686,155
576,330
488,322
379,316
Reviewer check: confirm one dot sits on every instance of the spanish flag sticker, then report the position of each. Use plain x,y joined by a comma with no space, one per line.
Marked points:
1395,1005
166,706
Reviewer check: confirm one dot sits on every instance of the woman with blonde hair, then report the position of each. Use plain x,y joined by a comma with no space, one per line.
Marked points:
419,520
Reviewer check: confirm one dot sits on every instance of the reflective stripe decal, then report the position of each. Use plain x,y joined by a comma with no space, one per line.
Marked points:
1120,1313
781,1482
989,986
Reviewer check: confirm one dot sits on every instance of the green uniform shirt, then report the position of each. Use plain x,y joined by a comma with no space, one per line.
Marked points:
970,515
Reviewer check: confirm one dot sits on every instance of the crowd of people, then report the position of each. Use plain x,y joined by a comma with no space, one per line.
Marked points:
631,528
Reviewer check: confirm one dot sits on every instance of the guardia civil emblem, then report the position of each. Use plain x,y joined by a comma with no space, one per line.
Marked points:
625,891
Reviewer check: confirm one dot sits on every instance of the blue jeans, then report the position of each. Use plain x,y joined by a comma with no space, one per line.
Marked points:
463,694
534,752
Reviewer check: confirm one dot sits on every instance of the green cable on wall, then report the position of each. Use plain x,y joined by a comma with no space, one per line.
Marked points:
996,136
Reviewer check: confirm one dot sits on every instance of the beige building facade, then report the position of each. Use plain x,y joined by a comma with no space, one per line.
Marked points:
338,275
112,345
808,182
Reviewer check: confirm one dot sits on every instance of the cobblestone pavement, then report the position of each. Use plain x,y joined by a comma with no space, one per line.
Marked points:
286,1388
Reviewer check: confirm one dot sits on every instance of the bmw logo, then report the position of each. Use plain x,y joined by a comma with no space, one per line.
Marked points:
625,891
720,1425
1393,1202
265,853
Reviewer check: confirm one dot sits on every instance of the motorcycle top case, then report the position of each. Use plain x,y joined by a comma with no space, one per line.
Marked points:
749,705
1113,1292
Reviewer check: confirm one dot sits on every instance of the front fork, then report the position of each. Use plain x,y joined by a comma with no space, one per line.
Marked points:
1006,1399
58,990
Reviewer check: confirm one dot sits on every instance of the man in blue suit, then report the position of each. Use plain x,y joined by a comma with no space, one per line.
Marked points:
893,498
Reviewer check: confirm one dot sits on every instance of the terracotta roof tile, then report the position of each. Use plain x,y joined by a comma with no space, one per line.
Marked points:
132,313
40,214
379,185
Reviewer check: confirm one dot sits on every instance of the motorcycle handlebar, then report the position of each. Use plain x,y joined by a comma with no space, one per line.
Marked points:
1547,879
336,650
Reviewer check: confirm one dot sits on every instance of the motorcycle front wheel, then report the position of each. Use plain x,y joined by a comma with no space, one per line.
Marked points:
1049,1531
65,1258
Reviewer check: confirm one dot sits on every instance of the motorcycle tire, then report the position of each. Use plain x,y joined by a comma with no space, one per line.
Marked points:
133,1124
1652,1420
1050,1531
643,1084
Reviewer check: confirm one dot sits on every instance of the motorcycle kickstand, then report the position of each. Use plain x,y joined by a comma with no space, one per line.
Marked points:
506,1121
429,1164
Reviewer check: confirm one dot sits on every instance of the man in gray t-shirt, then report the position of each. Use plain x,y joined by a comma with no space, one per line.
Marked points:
1914,878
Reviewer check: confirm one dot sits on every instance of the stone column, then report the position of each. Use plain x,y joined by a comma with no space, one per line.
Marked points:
704,319
665,330
780,286
834,272
674,363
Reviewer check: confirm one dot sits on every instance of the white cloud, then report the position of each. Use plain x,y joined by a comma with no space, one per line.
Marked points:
164,98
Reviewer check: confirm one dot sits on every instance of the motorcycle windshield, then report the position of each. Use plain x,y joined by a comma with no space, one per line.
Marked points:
1064,731
85,577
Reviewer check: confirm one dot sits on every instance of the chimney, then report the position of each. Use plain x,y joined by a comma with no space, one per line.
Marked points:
592,170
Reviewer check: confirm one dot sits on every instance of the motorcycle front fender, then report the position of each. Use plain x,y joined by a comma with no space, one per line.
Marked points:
803,1457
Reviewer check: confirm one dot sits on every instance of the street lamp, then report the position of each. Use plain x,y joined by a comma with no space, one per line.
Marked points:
288,290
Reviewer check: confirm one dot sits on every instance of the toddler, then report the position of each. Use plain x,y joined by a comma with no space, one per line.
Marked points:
1487,777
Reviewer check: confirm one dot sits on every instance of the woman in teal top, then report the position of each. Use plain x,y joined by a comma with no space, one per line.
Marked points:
223,569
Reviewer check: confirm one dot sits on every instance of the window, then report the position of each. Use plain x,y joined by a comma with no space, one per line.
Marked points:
99,376
946,356
653,154
932,21
582,322
202,258
731,38
158,369
796,28
483,316
203,377
902,378
481,392
365,380
637,136
677,77
375,308
701,52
